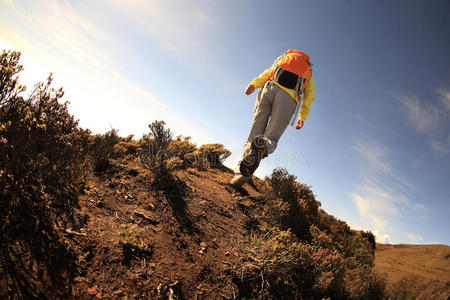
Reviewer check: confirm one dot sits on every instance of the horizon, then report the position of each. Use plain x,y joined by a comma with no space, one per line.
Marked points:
376,145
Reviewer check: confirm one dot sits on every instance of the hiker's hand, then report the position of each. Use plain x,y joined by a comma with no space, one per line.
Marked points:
250,89
299,124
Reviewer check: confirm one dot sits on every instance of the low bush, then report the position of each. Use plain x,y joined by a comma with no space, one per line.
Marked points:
303,208
196,160
155,154
175,163
363,283
126,148
181,147
335,262
272,213
101,148
42,166
271,262
206,156
214,154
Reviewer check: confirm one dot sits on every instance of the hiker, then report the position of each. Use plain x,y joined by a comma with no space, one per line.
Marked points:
286,86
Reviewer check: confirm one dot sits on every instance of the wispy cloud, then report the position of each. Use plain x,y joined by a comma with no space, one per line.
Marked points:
51,24
444,98
414,238
431,118
382,194
376,154
188,30
77,51
424,116
382,237
438,146
177,25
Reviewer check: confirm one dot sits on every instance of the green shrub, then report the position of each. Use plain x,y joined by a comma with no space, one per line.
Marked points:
42,164
214,154
337,261
303,208
174,163
101,148
207,156
196,160
270,263
181,147
126,148
327,265
272,213
363,283
155,153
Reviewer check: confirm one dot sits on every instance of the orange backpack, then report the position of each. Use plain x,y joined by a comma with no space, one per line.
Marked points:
293,70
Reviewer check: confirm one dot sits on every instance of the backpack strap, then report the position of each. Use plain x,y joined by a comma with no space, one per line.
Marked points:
299,84
278,72
294,116
276,68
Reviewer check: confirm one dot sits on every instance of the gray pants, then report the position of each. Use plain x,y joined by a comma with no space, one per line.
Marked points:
273,111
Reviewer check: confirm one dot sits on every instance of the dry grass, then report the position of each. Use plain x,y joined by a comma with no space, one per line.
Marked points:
398,261
415,270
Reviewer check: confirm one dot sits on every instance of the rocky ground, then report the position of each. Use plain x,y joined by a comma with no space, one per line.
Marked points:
135,242
138,243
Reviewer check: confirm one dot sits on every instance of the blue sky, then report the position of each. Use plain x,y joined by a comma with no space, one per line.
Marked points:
376,145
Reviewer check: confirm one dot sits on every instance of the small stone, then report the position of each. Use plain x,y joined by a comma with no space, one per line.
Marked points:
150,206
92,290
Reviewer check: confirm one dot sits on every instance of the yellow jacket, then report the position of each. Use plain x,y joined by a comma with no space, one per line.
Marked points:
308,96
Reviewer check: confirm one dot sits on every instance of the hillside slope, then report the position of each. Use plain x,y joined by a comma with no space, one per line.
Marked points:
102,216
422,271
203,240
136,241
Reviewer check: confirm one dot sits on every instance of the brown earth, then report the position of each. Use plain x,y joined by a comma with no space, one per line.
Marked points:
421,271
136,243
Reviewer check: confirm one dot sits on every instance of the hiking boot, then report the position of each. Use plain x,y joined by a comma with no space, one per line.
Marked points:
251,162
238,180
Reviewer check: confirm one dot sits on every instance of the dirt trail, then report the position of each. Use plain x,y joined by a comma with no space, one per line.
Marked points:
135,243
141,243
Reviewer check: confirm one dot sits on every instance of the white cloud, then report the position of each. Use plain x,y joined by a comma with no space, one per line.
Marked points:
76,50
376,154
444,98
373,213
377,221
424,116
431,118
375,207
439,146
362,204
179,26
186,29
414,238
382,195
382,238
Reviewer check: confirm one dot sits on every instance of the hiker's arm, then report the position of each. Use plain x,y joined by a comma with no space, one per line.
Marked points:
308,98
261,79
